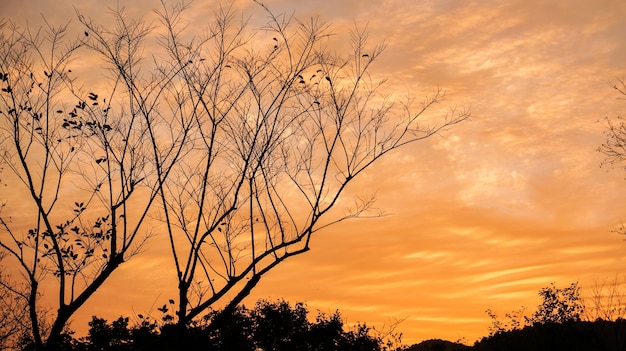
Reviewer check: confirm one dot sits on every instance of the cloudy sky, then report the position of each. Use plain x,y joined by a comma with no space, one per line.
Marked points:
480,217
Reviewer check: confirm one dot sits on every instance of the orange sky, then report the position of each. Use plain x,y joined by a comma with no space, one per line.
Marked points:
482,217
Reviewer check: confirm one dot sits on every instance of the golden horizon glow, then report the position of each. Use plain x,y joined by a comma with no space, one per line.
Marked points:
480,217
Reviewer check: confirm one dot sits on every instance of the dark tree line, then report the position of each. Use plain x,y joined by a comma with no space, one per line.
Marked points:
269,326
563,320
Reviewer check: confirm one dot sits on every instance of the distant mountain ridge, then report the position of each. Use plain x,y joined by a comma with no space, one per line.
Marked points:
438,345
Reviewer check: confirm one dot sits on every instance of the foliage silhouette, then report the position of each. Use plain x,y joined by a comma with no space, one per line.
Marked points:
270,326
571,336
555,325
558,306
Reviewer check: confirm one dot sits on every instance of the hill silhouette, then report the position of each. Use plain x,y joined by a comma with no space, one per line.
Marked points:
572,336
599,335
439,345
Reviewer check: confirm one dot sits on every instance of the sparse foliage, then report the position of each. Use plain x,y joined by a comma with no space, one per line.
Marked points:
514,320
81,164
614,148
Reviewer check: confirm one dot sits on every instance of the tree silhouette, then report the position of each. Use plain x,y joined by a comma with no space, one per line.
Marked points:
556,324
614,148
80,167
242,149
270,326
559,305
13,312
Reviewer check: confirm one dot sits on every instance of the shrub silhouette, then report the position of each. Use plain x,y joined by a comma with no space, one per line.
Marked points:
269,326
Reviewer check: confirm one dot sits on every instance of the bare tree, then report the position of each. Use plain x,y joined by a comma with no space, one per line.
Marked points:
607,302
282,126
242,142
13,312
614,148
82,163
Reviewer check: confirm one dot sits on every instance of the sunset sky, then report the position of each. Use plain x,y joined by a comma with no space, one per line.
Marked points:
480,217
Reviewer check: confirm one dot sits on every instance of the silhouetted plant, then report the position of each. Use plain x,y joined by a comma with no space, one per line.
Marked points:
614,147
13,313
279,326
243,149
559,305
103,336
270,326
77,158
513,321
555,325
607,302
